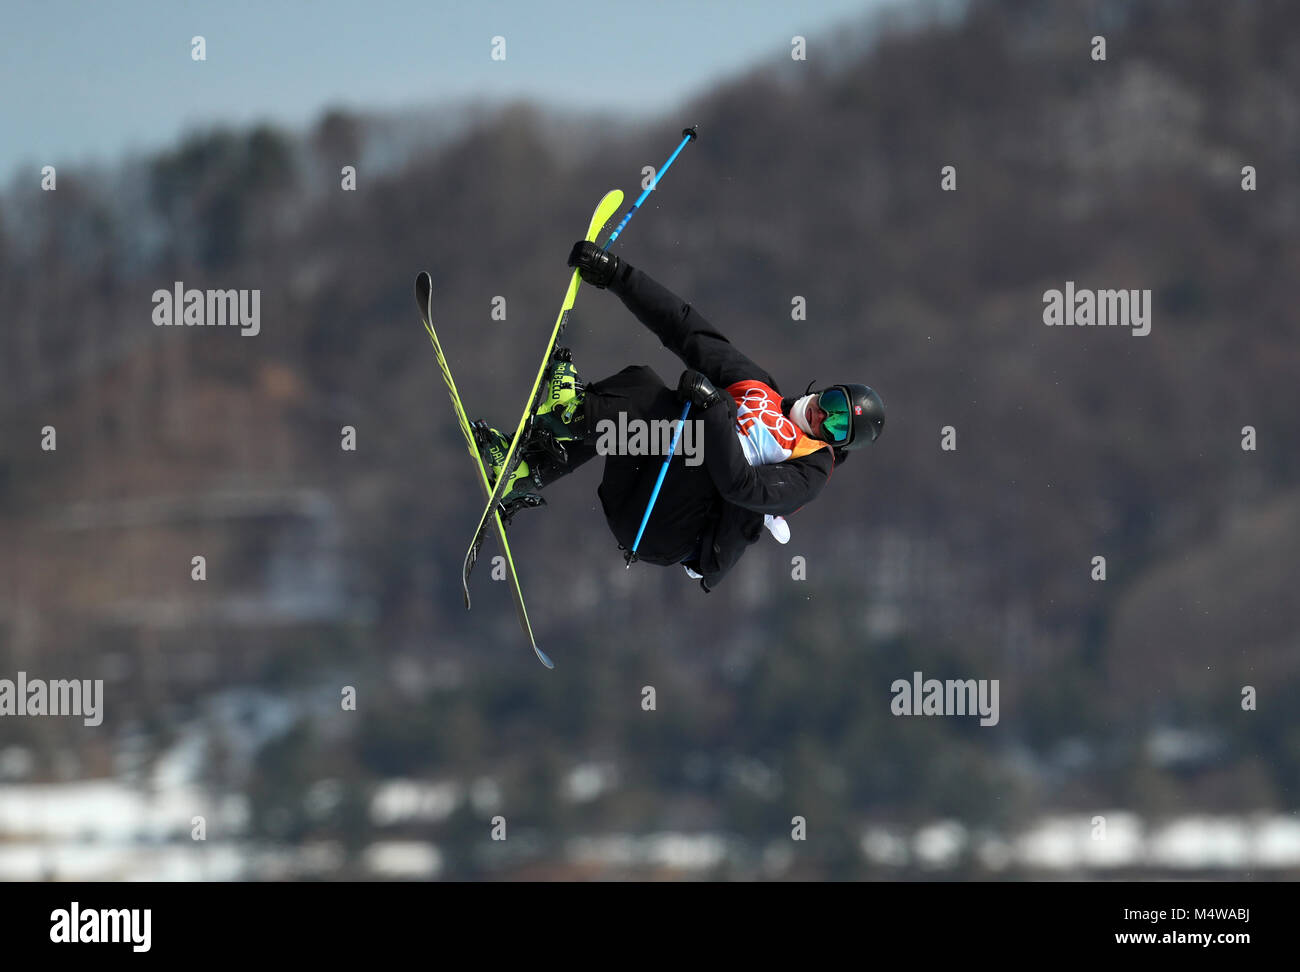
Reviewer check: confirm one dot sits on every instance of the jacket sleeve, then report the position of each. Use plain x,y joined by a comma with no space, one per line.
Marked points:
683,330
777,488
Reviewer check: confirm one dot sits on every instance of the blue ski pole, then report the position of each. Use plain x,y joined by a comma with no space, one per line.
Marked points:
688,134
663,471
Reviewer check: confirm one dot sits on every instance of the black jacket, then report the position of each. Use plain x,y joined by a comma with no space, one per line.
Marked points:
737,493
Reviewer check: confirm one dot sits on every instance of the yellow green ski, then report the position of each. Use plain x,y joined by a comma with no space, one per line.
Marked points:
606,209
424,297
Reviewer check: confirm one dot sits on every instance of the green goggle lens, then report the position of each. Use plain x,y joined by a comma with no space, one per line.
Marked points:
835,404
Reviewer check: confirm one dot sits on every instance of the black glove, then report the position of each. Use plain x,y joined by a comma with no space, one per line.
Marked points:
697,389
596,266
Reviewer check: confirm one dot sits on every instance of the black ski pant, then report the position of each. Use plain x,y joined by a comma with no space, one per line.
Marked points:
688,501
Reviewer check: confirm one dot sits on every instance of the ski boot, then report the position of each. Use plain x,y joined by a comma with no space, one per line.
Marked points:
493,446
558,418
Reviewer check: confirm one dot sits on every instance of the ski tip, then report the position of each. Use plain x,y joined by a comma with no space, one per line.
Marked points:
605,211
423,288
541,657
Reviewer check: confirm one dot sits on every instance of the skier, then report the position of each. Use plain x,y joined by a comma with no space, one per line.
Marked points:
764,455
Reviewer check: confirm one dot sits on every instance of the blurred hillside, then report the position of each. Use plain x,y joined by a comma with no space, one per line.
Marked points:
821,179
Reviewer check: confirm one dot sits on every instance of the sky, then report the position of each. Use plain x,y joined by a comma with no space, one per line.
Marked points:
90,81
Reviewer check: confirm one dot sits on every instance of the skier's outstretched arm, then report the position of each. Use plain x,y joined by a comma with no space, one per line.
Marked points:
682,329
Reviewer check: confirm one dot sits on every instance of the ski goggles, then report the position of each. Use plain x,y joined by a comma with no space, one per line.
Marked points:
838,423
